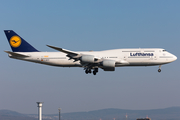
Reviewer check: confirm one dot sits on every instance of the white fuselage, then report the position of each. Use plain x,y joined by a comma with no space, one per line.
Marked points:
123,57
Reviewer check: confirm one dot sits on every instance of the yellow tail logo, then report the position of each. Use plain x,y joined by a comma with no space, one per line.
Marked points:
15,41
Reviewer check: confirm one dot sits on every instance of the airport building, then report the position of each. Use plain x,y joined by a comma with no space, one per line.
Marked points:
143,119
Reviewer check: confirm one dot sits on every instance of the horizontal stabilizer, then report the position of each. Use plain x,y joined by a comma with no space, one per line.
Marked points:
16,54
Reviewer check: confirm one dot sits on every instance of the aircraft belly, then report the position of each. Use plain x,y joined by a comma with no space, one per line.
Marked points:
141,61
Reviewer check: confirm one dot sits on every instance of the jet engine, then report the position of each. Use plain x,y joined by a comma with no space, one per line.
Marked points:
87,58
108,65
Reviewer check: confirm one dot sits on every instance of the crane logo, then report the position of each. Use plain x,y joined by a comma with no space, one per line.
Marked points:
15,41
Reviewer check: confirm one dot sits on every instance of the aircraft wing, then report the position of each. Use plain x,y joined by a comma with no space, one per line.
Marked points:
16,54
64,50
72,55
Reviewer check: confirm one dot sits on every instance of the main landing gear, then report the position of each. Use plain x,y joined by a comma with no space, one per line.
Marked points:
159,70
88,70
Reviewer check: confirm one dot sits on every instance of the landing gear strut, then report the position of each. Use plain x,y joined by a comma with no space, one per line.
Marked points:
159,70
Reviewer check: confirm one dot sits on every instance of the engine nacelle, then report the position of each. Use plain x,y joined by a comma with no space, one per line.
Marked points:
108,65
87,58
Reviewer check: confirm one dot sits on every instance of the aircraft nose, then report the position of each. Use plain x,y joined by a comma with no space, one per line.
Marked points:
174,57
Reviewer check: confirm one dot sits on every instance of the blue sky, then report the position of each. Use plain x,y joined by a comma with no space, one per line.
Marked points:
82,26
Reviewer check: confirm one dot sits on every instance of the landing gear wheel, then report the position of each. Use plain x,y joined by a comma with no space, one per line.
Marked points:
89,70
94,72
159,70
86,71
96,69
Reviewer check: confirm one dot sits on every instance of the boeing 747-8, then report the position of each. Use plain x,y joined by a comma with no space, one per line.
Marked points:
89,60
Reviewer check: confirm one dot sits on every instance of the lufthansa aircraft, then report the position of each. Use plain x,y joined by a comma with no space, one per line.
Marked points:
89,60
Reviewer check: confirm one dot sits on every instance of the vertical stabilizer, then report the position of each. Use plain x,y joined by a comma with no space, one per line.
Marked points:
17,43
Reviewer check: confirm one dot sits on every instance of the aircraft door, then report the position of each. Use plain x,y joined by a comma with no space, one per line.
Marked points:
125,57
155,56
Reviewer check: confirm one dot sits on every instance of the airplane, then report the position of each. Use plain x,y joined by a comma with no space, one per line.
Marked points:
91,61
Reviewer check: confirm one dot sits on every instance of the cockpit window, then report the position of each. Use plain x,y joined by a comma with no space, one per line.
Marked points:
164,50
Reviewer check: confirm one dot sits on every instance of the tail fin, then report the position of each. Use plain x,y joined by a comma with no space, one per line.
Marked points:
17,43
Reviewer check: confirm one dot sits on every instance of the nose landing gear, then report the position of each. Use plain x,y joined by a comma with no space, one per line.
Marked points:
159,70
